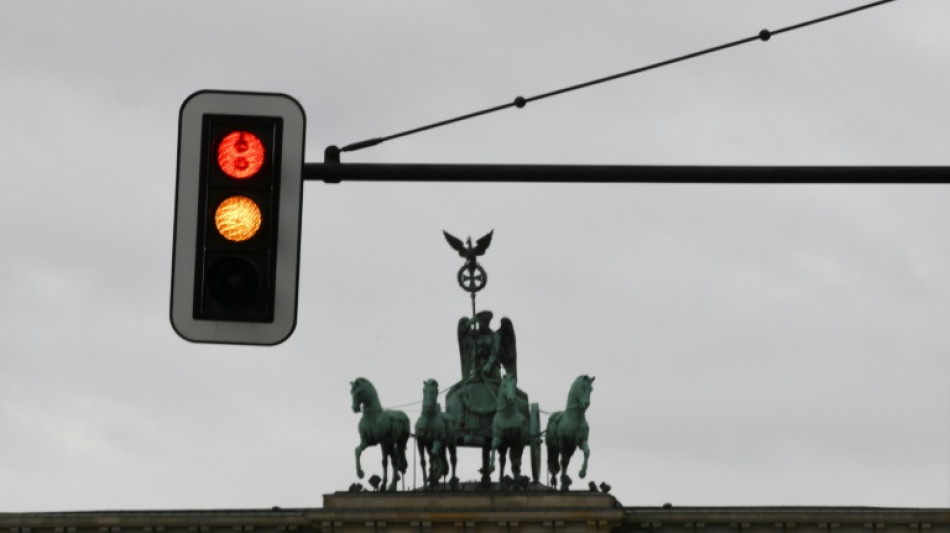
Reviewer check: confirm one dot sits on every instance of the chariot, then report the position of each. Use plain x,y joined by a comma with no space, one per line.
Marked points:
476,403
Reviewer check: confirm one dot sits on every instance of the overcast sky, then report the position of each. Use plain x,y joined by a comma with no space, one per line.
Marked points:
752,345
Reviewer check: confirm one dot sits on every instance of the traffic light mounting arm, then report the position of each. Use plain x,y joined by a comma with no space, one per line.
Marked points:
332,171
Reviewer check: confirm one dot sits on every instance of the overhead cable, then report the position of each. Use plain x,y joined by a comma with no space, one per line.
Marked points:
332,153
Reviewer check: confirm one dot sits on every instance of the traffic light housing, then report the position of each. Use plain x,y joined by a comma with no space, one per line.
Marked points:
237,217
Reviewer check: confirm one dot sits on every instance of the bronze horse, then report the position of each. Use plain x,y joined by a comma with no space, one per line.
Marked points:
435,433
568,430
509,429
389,429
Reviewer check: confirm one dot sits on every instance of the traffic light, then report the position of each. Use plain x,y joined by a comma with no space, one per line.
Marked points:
237,217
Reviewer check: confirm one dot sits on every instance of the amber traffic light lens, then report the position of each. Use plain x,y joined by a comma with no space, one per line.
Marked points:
237,218
240,154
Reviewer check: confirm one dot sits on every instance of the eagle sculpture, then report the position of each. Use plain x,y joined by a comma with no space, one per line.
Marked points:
469,252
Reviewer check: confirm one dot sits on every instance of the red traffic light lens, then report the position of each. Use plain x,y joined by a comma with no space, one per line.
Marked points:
240,154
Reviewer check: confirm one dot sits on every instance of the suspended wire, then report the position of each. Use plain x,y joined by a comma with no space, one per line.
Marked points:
443,391
417,402
401,406
332,152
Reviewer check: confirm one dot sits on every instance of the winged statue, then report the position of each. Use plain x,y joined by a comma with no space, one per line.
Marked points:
484,351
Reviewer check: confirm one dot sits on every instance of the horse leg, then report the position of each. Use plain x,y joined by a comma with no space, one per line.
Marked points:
359,451
453,459
586,450
501,471
553,466
495,443
422,460
437,455
385,450
566,454
400,451
394,459
515,452
486,474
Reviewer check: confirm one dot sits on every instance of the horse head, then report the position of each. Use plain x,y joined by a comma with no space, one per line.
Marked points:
579,397
359,391
507,391
430,395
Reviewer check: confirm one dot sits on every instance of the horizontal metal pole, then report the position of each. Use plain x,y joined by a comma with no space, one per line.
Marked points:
338,172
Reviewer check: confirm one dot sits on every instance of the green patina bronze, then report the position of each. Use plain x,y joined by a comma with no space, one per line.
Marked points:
485,409
483,351
435,434
475,401
510,429
568,430
389,429
471,277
